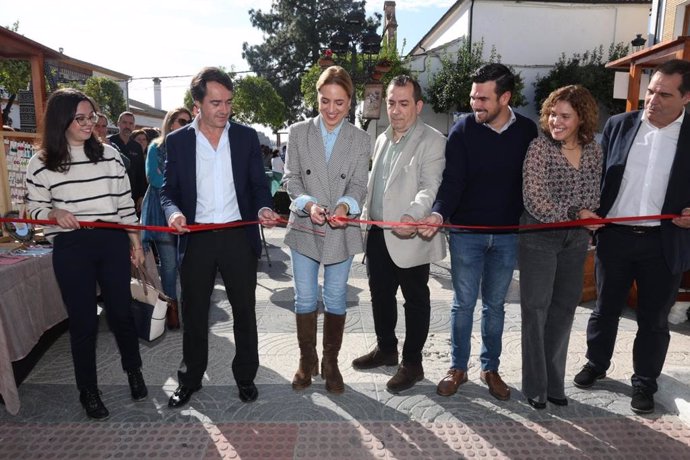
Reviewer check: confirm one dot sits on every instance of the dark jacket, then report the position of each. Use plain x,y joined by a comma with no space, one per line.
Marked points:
619,133
179,191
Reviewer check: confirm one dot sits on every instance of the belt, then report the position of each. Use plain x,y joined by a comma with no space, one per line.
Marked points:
86,227
636,229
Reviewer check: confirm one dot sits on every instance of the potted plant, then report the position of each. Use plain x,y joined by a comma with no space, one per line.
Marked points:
384,65
326,59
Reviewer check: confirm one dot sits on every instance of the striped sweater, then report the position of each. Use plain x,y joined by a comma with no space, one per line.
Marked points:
90,191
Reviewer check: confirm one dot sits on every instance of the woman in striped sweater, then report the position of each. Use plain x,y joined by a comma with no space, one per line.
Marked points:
73,178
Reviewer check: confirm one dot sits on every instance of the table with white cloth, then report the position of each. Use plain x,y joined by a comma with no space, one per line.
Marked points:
30,304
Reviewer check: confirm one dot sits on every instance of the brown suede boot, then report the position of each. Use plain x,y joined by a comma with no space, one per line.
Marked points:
333,326
308,359
172,315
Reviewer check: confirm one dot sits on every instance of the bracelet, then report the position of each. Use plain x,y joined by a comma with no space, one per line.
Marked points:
347,207
138,249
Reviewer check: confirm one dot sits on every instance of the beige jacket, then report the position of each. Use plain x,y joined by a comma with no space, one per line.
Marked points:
411,189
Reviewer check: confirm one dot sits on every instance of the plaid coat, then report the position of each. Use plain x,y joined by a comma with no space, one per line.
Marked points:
307,173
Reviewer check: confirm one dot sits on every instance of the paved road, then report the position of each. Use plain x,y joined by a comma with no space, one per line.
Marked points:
366,422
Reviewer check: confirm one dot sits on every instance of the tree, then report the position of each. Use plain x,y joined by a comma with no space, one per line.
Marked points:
256,101
107,94
15,75
450,87
309,79
295,32
586,69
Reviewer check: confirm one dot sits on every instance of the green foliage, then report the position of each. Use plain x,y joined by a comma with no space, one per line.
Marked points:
309,79
107,94
256,101
586,69
188,101
15,75
295,33
450,87
308,87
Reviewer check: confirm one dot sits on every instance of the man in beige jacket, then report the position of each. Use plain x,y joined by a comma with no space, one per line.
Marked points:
409,158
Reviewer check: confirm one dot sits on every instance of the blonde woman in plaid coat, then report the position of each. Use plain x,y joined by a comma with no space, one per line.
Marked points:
326,178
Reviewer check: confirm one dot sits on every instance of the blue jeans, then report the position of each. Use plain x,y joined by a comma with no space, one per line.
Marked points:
489,260
305,272
166,245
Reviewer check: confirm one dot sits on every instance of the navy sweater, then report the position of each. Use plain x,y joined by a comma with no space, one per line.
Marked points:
482,182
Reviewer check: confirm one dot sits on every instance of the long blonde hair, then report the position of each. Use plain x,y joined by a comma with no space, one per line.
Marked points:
166,126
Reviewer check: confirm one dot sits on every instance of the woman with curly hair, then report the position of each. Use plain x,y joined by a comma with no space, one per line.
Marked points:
561,176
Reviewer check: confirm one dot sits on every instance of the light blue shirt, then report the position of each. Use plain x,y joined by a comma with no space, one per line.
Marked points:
329,139
216,201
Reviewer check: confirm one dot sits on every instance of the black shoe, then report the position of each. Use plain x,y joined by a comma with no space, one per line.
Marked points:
137,385
536,404
181,395
91,402
558,401
375,358
642,401
248,392
587,376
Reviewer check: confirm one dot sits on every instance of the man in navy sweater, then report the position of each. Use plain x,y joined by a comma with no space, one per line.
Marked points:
482,186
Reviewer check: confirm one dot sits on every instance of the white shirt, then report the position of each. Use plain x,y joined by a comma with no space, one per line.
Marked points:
216,198
647,171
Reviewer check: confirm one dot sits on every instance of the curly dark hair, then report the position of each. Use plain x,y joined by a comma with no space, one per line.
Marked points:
584,105
60,110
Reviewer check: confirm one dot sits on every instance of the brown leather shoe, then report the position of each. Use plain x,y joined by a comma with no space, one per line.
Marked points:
448,386
497,386
408,374
374,359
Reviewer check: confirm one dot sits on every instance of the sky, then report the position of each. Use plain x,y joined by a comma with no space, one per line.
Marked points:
172,39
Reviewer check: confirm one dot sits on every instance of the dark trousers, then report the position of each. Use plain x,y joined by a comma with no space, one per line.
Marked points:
624,256
82,258
228,252
551,275
384,279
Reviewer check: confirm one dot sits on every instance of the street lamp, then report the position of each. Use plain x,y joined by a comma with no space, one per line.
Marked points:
355,31
637,43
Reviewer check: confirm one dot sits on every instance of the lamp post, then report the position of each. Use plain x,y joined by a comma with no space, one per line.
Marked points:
637,43
353,32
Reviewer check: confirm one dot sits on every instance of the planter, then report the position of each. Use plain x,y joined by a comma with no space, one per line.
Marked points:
324,63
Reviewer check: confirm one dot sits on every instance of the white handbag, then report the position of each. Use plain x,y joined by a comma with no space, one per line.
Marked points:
149,306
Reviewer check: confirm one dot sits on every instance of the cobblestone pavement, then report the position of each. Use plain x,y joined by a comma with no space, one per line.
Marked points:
366,422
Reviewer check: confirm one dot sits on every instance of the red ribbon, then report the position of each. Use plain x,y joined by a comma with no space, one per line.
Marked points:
389,224
153,228
540,226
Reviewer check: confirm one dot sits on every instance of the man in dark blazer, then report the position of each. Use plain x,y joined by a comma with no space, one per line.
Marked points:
646,172
214,174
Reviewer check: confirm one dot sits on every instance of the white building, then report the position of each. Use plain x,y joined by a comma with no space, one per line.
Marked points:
530,36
